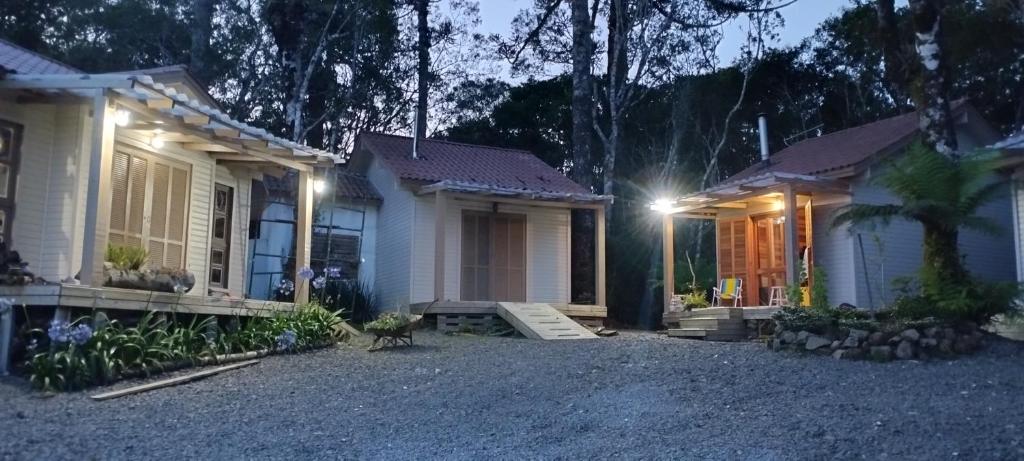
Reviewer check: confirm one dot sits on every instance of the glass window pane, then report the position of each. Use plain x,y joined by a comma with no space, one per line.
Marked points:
219,227
5,172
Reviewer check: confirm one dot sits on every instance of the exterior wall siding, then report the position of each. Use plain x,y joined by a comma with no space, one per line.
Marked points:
395,229
833,252
547,250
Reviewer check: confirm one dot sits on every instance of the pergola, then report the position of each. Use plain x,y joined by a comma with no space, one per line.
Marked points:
143,107
775,188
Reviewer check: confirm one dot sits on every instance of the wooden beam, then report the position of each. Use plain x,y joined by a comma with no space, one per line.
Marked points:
600,288
207,147
440,220
668,261
98,195
160,103
199,120
176,123
303,233
790,232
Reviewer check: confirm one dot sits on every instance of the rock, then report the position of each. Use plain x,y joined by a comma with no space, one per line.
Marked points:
787,337
949,333
851,341
859,334
905,351
836,344
881,353
946,346
931,332
815,342
928,342
876,339
965,344
848,354
910,334
801,337
775,345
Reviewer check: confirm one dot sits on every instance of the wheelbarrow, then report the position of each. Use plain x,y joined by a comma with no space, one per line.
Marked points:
396,336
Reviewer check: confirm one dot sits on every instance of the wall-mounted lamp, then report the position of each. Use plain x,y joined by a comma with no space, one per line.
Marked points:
122,117
157,142
319,186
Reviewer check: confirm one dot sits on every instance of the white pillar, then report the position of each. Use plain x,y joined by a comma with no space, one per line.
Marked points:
600,266
303,233
440,218
98,196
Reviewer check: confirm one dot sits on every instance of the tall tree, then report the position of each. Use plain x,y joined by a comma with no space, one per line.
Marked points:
423,75
936,115
582,92
201,29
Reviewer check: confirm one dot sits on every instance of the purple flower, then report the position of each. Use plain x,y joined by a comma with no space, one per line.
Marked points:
319,282
81,334
286,340
285,287
306,273
333,272
59,331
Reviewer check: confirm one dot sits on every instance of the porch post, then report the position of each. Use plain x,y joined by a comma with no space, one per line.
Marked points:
600,289
440,218
98,196
303,233
668,261
790,232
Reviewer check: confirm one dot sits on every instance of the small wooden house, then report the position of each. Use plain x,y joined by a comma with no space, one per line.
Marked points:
143,158
773,220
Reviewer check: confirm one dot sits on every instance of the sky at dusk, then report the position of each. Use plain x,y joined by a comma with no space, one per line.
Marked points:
801,20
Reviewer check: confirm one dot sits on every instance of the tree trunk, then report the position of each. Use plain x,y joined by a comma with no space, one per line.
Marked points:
942,256
936,117
200,31
582,94
423,65
897,78
618,37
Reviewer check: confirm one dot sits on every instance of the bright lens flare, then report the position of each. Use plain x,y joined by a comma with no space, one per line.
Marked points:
319,186
663,205
122,117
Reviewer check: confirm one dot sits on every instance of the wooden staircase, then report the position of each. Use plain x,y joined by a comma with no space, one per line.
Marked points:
713,324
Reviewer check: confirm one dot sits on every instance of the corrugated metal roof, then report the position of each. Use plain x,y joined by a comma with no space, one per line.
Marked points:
467,163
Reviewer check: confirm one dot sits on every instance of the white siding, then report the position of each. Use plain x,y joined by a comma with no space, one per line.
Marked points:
833,251
547,250
1018,227
394,239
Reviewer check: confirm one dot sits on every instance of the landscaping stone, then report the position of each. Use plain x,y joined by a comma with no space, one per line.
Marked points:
946,346
775,344
815,342
836,345
787,337
851,341
928,342
859,334
848,354
876,339
910,334
905,351
881,353
932,332
801,337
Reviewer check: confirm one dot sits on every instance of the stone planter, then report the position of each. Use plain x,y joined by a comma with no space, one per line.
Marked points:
162,280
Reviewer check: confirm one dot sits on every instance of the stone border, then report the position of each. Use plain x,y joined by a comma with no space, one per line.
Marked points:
908,344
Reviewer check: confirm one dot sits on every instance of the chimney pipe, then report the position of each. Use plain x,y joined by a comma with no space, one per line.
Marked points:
762,128
415,134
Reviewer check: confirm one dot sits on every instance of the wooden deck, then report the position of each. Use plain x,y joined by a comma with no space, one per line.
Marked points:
77,296
749,313
491,308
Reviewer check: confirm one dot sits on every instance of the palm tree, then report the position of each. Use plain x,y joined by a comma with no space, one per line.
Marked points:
944,196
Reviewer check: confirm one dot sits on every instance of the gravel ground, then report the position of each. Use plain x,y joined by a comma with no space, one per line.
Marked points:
638,395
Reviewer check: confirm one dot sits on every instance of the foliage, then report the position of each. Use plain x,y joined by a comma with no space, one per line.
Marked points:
355,298
822,320
975,301
93,351
795,295
389,321
819,290
695,299
127,258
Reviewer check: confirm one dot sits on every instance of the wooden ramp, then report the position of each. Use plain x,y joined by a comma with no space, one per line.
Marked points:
541,321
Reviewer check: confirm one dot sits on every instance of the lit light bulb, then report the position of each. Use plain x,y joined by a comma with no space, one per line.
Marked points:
319,185
662,205
122,117
157,142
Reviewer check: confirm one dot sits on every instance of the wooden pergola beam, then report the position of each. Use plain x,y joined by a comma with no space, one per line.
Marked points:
668,261
303,233
600,289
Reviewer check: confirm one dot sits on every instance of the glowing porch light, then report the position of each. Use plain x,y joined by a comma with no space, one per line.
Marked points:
663,205
319,186
122,117
157,142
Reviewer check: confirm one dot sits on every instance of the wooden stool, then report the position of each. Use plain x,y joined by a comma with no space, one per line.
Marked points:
777,296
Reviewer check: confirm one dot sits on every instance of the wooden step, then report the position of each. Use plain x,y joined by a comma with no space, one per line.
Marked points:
714,312
712,324
687,332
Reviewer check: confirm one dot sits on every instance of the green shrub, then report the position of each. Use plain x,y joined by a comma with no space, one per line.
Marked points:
819,290
388,321
973,301
355,298
695,299
801,319
85,352
794,295
126,258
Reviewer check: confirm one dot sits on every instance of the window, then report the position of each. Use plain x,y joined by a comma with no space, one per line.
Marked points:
220,244
149,207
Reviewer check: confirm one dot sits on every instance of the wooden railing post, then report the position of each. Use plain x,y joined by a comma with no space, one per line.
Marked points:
98,196
600,288
668,260
303,234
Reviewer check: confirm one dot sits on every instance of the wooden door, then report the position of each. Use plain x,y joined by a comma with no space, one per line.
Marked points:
220,243
732,251
493,257
10,159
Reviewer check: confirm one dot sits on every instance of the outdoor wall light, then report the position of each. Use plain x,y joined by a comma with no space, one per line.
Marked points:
157,142
319,186
122,117
663,205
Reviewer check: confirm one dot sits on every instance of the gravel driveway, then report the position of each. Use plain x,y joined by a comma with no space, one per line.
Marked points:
638,395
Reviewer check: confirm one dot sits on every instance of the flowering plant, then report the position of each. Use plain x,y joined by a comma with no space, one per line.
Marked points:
306,273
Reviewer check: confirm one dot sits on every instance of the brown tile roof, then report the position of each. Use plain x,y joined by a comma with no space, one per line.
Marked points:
347,185
14,58
467,163
841,149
